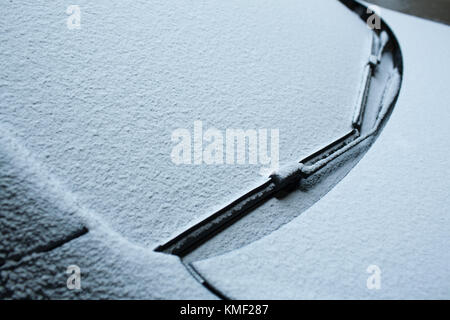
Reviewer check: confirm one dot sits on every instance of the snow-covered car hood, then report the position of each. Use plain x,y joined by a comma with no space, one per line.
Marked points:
86,119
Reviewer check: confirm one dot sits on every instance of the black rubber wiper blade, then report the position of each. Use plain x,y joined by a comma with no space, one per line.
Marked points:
287,178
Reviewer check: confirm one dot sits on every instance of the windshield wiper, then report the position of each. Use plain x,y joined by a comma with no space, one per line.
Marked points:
287,179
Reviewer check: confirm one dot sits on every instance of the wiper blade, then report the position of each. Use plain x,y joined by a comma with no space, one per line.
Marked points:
288,178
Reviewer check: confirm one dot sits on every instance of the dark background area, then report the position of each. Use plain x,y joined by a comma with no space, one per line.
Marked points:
437,10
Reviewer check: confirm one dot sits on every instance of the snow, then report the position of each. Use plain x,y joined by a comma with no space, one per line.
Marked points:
86,118
44,230
108,271
287,172
391,210
97,105
30,204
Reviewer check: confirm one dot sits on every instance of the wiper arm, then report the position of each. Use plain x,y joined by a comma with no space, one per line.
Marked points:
288,178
